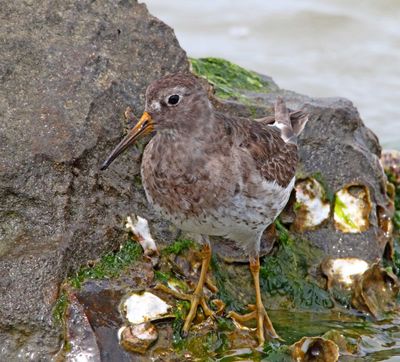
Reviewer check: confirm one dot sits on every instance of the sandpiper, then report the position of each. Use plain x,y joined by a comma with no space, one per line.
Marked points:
214,174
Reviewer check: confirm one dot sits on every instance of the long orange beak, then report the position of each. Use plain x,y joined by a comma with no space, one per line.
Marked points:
142,128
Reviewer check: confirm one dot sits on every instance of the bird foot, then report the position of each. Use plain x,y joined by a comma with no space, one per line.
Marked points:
211,286
196,300
264,324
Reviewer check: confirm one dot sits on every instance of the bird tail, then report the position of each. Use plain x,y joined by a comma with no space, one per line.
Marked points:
291,124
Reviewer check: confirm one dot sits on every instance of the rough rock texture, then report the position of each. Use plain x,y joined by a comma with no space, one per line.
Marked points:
339,146
68,70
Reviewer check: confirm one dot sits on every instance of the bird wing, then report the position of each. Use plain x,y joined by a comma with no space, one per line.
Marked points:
274,158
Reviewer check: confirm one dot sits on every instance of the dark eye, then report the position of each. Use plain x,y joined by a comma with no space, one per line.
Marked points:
174,99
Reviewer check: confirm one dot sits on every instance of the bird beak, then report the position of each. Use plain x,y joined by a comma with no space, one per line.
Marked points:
142,128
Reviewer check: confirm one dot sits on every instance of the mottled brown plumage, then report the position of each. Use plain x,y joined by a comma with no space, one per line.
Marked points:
213,174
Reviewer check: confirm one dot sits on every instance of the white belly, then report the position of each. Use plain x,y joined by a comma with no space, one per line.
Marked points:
243,219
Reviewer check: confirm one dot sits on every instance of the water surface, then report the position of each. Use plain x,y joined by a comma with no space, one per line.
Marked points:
348,48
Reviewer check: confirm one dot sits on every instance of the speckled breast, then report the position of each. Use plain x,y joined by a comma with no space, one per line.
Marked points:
211,203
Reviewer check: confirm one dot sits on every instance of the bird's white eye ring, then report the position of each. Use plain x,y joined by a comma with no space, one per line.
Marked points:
173,100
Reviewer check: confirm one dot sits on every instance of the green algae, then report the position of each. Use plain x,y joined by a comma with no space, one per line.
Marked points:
206,347
230,80
221,279
59,309
137,181
180,311
286,273
277,352
210,343
297,206
341,212
178,246
110,265
162,277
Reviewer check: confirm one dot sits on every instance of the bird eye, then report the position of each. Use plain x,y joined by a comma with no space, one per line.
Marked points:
174,99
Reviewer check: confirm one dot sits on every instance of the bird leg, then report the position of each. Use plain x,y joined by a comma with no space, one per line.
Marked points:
198,296
259,313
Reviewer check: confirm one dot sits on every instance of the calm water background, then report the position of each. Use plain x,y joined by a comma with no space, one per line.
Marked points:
348,48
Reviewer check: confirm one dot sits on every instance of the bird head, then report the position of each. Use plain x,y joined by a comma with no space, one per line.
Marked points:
177,104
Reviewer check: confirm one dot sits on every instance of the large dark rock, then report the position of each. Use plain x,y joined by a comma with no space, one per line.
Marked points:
68,70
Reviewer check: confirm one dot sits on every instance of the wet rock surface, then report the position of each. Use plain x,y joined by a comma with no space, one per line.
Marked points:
82,343
313,335
93,321
68,73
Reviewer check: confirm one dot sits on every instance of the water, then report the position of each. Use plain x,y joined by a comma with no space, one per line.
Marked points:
348,48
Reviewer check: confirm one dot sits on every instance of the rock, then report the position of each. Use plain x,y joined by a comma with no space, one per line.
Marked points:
68,72
139,337
82,343
93,321
338,147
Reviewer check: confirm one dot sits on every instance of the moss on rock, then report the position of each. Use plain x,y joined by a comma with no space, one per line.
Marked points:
230,80
110,265
59,309
286,273
178,246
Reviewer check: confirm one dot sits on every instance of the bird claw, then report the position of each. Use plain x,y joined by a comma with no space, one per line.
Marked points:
211,286
195,300
174,293
264,324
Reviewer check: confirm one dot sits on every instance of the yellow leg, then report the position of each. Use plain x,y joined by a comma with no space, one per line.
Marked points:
259,313
198,296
